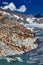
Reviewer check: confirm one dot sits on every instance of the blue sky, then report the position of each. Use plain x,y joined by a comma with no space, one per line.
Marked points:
33,6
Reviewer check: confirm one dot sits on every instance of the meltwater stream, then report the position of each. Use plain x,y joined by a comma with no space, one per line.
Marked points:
34,57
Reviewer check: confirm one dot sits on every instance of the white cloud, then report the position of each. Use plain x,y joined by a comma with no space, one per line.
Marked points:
12,7
4,2
22,8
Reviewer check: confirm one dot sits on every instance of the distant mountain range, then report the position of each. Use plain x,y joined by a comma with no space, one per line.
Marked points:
22,18
25,6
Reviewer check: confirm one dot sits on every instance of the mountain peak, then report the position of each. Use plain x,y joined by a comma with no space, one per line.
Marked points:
38,16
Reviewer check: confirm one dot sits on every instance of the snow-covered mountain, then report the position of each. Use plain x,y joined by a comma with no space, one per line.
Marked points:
12,7
11,18
26,20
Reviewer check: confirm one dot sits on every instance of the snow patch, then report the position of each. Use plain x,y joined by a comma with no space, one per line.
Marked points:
30,20
18,17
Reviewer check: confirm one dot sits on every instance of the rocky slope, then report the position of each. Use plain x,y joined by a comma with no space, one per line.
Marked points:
14,37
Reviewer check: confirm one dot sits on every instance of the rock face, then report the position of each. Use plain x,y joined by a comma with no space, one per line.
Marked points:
14,38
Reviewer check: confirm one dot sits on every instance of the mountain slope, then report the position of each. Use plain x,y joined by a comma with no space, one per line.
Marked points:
14,36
